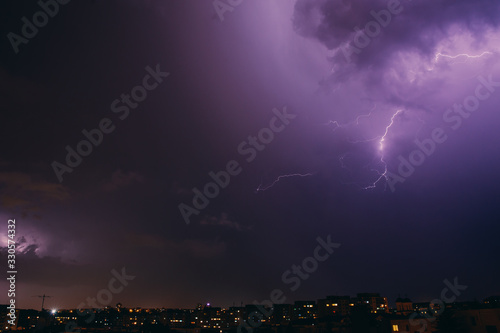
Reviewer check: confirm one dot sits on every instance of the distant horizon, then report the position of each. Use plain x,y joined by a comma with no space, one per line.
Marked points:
391,303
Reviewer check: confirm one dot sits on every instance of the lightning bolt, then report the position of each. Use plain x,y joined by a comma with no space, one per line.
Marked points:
342,163
262,188
468,56
381,166
355,121
383,175
337,125
381,142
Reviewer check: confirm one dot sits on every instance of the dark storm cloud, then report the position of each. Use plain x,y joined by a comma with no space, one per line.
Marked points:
120,179
223,221
23,193
161,245
418,26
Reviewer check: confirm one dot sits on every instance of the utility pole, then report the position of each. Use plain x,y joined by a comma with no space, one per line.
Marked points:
43,298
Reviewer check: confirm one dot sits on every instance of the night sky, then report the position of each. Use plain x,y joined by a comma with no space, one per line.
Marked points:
317,108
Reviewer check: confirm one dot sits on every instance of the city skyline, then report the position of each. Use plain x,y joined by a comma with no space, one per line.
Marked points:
391,303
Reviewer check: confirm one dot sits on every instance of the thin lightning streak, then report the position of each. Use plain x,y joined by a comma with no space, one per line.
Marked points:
356,121
381,142
337,125
342,163
467,57
381,149
439,54
261,188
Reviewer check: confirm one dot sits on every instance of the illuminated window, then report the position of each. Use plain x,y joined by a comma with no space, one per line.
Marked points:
395,328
